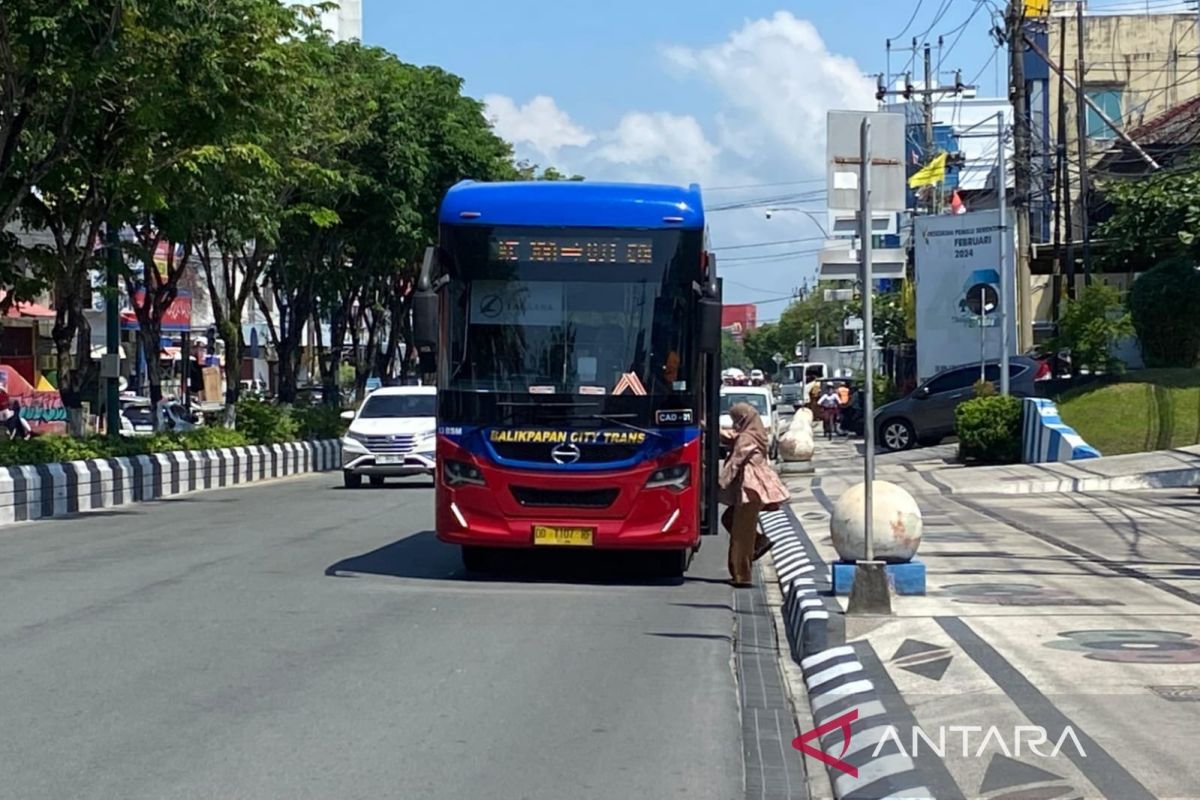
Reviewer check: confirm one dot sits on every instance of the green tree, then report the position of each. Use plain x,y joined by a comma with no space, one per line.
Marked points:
812,317
53,57
761,345
202,82
733,355
398,137
1163,303
1090,325
1154,218
889,318
528,171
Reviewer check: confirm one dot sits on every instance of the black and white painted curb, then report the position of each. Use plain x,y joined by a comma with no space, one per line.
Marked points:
835,678
804,611
845,700
54,490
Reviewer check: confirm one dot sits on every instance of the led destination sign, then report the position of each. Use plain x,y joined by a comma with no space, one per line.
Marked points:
552,436
571,250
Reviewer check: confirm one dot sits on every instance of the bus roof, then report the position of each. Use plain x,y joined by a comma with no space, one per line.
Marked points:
574,204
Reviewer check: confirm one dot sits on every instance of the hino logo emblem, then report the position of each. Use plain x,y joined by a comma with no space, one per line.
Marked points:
565,454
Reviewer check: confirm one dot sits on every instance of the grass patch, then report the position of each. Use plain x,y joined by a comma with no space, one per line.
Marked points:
1148,410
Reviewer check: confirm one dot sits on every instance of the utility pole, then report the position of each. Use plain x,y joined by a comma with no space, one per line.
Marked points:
1021,163
927,101
112,319
1006,293
1067,220
1081,124
927,93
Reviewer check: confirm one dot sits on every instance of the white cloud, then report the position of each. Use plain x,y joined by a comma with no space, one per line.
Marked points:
773,80
777,80
676,143
540,124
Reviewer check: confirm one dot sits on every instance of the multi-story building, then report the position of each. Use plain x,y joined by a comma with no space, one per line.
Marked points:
739,318
1139,69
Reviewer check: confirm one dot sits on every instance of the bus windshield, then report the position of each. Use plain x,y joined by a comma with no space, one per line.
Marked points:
579,312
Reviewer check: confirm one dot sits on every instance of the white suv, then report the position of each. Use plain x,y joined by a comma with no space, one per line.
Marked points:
393,435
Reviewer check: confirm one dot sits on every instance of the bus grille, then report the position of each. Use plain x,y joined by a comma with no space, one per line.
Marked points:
540,453
564,498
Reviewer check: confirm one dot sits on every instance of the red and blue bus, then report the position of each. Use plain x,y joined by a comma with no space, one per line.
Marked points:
574,329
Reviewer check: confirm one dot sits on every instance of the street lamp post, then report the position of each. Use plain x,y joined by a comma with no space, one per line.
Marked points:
812,217
870,593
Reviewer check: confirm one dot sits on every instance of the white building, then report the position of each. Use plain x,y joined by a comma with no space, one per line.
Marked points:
344,23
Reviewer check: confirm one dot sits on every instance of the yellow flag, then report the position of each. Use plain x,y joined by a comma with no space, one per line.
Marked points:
931,174
1037,8
43,385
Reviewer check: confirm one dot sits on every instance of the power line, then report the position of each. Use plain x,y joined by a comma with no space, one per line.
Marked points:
817,196
762,185
769,244
960,30
911,20
787,256
938,18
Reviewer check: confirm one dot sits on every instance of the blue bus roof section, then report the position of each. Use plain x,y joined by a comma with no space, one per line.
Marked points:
579,204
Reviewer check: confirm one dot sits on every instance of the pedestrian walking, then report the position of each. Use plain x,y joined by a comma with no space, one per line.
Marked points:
814,394
843,395
748,486
829,410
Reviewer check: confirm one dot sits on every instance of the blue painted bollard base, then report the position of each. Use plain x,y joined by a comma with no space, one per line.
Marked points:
908,579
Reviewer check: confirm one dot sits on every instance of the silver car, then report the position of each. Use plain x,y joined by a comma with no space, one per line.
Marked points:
926,416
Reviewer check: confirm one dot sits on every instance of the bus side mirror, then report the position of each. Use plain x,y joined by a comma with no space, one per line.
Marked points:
710,325
425,308
425,321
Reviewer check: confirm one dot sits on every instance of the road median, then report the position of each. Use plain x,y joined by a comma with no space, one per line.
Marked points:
42,491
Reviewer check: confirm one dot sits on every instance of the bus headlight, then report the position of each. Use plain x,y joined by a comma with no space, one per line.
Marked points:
676,478
460,473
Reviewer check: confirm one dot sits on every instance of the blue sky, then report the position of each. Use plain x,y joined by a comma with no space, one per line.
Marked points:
723,93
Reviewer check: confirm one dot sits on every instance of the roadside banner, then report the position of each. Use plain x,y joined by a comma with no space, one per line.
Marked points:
958,276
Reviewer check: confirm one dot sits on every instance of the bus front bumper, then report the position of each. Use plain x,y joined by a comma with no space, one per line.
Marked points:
639,518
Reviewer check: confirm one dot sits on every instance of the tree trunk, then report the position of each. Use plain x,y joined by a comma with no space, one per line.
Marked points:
74,371
150,342
231,335
333,363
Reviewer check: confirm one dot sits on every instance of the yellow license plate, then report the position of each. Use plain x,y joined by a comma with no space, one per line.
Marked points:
569,537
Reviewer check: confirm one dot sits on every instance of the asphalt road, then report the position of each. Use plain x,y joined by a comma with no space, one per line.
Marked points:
297,640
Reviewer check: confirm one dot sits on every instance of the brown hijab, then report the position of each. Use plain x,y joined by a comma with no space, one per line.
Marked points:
750,433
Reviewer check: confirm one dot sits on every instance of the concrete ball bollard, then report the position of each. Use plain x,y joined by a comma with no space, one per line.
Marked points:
896,528
796,443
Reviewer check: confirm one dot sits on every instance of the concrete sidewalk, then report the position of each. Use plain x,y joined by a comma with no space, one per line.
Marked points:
933,470
1057,652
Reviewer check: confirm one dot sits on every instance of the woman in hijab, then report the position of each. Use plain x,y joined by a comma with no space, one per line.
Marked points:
748,486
